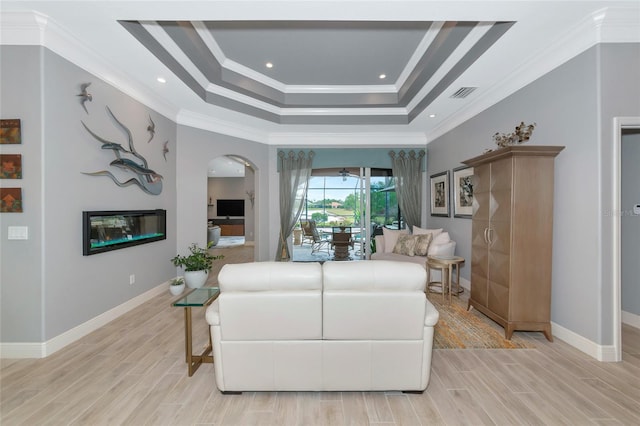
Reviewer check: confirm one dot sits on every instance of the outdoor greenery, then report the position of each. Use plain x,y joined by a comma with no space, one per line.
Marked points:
384,208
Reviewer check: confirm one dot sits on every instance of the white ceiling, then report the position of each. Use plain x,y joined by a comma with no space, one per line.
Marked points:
327,58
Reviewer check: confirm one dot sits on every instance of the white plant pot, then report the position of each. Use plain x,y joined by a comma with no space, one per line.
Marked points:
176,289
195,279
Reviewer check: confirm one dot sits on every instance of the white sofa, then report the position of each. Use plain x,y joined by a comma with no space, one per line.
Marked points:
440,244
340,326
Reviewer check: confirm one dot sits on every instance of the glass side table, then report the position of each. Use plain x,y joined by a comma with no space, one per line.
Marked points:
198,297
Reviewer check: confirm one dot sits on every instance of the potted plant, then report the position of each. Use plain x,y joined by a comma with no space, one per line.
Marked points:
176,286
196,264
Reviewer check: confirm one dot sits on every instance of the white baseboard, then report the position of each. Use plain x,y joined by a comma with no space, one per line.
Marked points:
605,353
42,350
631,319
465,283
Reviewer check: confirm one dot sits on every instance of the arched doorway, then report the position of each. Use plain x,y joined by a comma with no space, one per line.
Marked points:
231,202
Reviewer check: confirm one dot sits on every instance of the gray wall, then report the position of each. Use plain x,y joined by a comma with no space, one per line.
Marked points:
573,106
630,223
21,262
48,286
196,148
620,97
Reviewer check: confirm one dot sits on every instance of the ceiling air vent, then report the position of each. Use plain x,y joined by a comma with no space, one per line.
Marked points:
463,92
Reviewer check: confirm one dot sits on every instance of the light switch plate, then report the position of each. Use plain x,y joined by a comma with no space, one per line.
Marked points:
18,232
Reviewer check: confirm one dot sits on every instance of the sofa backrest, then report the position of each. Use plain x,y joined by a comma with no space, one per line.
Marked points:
373,300
270,301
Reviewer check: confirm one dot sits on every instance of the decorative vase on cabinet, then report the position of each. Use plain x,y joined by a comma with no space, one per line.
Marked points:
511,236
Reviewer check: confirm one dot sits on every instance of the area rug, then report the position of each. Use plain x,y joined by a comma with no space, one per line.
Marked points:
226,242
458,328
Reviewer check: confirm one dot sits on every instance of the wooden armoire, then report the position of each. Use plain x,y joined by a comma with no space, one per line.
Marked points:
511,237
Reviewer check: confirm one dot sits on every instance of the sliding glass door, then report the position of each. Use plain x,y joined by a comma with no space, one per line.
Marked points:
339,197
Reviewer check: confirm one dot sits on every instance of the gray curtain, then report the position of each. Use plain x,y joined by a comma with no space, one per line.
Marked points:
407,172
295,170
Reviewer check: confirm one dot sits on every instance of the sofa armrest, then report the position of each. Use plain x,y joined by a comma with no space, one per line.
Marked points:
431,316
212,314
446,249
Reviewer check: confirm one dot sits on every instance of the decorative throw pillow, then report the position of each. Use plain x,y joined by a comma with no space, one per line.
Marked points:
422,244
390,238
405,245
442,238
422,231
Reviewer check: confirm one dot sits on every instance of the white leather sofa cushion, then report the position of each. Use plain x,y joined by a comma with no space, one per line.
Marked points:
371,276
262,276
367,301
269,301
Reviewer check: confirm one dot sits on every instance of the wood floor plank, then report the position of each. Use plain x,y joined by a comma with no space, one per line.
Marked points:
286,409
426,409
355,409
402,410
378,409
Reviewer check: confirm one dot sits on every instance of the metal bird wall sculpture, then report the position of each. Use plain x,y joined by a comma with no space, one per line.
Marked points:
151,128
85,96
148,180
165,150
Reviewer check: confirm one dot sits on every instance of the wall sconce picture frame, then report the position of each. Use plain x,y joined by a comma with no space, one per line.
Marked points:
10,131
10,200
440,194
10,166
463,192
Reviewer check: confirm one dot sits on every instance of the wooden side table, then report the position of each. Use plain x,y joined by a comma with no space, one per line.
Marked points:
445,264
199,297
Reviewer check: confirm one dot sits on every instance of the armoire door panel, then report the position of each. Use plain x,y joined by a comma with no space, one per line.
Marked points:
478,233
500,268
480,205
480,262
481,179
501,174
500,205
479,288
498,299
500,237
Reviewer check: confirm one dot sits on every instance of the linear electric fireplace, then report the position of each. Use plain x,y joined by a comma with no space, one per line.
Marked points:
112,230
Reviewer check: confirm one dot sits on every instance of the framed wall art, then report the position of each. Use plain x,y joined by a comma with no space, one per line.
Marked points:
463,192
10,166
10,200
10,131
440,194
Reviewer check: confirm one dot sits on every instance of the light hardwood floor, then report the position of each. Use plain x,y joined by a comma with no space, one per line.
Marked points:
132,371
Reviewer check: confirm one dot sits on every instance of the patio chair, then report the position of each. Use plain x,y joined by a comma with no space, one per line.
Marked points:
311,235
341,241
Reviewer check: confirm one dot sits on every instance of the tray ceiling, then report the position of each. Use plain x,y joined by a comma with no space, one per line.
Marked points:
312,72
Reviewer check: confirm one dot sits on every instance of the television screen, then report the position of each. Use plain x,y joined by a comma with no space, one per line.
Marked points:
111,230
230,208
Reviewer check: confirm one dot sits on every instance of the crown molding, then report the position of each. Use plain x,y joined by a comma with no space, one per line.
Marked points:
608,25
33,28
208,122
341,139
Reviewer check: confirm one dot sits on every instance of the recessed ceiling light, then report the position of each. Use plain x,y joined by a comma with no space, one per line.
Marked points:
432,115
161,80
382,76
268,65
